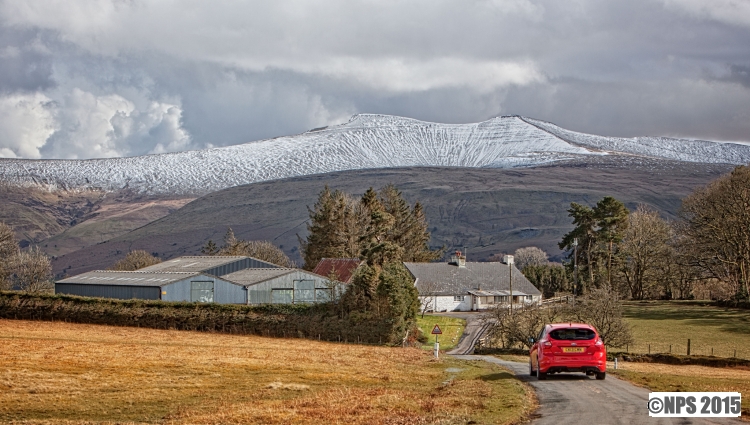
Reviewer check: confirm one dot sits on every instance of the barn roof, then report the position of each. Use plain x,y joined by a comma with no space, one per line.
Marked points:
449,279
344,268
196,263
134,278
249,277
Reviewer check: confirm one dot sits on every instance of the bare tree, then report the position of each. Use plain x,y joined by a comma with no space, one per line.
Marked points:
530,256
602,309
645,253
33,271
715,225
8,253
136,260
262,250
514,330
428,296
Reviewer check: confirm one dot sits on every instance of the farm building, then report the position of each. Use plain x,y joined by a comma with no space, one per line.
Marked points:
213,265
342,268
458,285
150,285
285,286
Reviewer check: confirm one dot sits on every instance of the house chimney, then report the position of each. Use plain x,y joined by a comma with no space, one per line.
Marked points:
508,259
458,259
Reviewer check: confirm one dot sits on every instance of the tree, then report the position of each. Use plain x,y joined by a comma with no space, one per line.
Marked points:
645,253
334,229
8,253
612,219
135,260
598,231
210,248
584,233
262,250
714,224
33,271
530,256
602,309
380,227
550,278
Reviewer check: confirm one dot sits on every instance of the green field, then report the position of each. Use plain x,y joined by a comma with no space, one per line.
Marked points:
666,325
452,328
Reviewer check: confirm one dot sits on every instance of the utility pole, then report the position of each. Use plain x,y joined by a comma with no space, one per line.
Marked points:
509,261
575,269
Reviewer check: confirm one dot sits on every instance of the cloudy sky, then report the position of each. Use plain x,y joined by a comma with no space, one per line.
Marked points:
107,78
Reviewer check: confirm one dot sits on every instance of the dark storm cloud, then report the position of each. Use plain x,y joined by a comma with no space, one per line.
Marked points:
123,78
24,65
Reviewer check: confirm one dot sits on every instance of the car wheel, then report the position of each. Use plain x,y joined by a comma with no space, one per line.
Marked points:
601,375
539,374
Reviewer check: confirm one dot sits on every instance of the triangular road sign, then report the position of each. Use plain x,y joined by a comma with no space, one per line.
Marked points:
436,330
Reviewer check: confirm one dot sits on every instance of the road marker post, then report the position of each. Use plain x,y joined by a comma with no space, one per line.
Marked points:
436,331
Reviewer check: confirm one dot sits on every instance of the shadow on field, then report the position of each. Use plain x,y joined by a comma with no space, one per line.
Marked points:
498,376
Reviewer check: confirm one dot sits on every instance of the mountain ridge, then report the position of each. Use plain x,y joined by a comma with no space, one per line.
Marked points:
366,141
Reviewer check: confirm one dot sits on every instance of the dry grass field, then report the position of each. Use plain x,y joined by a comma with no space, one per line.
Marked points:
662,377
74,374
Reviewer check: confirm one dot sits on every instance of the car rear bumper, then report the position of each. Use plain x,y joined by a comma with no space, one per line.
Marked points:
595,363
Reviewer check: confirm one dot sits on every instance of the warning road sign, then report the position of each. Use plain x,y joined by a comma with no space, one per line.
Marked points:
436,330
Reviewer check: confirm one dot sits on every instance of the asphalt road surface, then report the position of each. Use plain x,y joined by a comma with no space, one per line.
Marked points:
576,399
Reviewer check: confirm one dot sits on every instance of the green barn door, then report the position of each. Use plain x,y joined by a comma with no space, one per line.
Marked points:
202,292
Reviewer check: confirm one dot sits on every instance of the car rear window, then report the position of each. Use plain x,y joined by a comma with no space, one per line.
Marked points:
571,334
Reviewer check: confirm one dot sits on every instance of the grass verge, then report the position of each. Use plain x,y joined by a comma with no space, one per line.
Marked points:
662,377
55,372
452,328
667,325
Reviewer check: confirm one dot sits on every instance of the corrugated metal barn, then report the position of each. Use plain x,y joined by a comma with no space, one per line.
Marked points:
150,285
284,286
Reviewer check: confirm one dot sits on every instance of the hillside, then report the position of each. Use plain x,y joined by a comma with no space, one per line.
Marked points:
486,210
365,142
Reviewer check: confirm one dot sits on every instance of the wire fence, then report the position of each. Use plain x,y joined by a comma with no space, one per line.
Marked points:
685,348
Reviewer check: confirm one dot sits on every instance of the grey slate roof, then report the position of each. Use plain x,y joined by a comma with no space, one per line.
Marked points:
192,263
135,278
449,279
249,277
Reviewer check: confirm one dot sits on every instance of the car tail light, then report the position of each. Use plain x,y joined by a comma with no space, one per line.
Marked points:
599,342
547,344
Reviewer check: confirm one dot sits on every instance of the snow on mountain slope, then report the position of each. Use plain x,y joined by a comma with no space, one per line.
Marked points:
655,147
366,141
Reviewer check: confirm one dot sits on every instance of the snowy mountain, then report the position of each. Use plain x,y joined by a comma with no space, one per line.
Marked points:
365,142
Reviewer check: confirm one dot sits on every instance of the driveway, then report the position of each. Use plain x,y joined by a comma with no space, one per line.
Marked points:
576,399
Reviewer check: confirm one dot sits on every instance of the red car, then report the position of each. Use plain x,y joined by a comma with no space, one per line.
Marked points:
568,347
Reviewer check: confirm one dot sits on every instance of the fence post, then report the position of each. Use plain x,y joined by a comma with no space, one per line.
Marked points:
670,348
688,351
649,348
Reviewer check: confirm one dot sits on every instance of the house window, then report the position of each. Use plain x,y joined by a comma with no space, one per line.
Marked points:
529,298
458,298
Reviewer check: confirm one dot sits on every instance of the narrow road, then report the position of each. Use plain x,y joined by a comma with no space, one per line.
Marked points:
576,399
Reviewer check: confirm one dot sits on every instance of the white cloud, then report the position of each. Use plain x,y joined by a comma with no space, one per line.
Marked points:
407,75
83,125
106,126
736,12
26,121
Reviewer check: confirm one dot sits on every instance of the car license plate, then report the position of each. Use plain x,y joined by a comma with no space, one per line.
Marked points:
574,349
